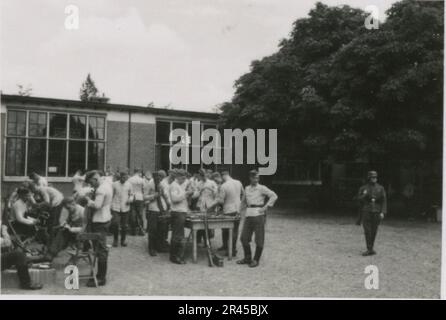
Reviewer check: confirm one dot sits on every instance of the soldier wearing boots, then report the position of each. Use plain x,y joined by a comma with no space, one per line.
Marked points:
122,193
157,204
258,198
373,207
179,206
101,217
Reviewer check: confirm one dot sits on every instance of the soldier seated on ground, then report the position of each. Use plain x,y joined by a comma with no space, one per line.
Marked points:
10,257
22,222
72,222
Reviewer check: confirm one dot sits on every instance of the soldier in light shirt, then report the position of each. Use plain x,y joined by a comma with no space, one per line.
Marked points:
122,193
179,206
258,198
137,206
101,217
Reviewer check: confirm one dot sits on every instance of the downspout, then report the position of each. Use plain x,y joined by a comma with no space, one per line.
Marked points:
129,140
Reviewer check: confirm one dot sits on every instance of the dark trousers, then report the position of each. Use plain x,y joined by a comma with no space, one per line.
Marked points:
55,215
157,228
18,259
178,240
225,233
119,224
101,247
370,222
61,240
253,225
136,217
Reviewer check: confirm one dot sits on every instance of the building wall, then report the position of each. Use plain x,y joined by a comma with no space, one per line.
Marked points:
142,153
142,143
117,141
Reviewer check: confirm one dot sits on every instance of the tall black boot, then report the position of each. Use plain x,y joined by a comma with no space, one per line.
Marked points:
248,256
24,278
152,245
173,251
123,237
102,271
181,249
258,253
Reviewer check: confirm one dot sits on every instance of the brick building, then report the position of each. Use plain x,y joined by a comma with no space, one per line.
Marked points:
56,137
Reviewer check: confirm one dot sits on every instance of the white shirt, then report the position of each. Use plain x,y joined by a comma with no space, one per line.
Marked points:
121,196
149,190
19,209
137,183
51,195
178,196
207,191
256,196
165,184
78,182
230,195
42,182
102,204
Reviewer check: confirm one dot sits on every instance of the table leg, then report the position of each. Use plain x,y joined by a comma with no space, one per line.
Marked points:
194,246
230,244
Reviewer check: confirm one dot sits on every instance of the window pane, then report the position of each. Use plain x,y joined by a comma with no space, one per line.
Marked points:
193,168
15,157
96,128
57,153
37,124
96,153
162,132
76,156
36,156
162,157
58,125
16,123
178,125
77,126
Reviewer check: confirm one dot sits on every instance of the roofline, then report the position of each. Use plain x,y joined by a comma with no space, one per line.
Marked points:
106,106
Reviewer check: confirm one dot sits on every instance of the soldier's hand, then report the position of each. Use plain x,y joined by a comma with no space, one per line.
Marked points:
381,215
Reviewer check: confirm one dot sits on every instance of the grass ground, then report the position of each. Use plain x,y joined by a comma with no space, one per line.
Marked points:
306,255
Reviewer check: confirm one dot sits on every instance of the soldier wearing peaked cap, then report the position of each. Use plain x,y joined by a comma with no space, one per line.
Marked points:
373,207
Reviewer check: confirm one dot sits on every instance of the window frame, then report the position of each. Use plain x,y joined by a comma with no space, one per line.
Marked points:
47,139
188,123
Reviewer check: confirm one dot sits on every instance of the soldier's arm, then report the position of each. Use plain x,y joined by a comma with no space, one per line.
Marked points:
384,202
361,194
272,197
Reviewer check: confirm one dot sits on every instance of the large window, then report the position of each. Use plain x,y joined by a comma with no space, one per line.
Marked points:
163,145
54,144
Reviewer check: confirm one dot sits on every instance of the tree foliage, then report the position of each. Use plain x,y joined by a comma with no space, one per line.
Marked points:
338,91
88,89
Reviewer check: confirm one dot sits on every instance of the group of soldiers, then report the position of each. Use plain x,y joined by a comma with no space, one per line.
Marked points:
114,203
106,203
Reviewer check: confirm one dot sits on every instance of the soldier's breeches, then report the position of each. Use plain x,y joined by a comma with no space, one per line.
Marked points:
370,222
256,226
178,241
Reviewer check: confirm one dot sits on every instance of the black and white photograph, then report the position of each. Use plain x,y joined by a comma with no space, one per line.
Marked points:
222,149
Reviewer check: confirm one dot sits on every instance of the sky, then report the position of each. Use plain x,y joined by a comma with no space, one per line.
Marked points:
184,54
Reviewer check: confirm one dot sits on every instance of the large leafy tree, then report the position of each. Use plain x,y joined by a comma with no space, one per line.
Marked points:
337,91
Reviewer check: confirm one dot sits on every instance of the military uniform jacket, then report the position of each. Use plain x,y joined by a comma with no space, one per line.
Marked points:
372,198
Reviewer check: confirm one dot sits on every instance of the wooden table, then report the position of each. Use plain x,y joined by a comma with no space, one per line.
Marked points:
196,222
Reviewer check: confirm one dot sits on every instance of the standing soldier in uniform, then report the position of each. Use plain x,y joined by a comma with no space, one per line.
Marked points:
179,206
100,221
122,193
137,206
373,207
157,203
256,196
